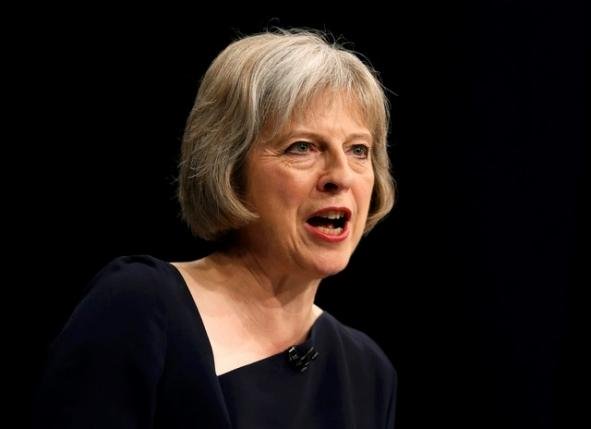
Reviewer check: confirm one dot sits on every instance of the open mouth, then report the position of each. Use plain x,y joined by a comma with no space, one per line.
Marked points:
331,221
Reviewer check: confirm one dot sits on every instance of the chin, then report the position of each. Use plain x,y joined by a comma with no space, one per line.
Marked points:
330,266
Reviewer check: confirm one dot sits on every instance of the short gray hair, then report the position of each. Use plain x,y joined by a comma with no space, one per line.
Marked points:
258,83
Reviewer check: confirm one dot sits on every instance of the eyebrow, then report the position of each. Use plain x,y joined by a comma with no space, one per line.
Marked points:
313,135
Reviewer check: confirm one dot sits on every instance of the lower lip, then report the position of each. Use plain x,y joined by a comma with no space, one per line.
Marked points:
328,237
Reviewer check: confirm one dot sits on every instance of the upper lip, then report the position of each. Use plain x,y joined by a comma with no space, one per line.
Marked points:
324,211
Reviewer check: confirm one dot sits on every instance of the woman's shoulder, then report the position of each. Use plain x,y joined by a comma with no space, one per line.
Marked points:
359,346
145,266
126,287
112,349
364,371
131,274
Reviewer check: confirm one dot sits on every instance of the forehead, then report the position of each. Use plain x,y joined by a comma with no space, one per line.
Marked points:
328,102
318,108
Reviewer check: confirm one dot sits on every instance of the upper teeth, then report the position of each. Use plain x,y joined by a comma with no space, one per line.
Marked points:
333,215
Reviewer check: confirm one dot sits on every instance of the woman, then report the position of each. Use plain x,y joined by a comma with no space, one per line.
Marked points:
284,165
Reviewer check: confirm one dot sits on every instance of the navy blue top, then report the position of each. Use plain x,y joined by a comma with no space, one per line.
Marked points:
135,354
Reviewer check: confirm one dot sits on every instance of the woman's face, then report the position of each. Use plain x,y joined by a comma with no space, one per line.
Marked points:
311,187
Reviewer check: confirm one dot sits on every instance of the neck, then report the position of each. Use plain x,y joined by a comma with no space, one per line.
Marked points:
274,305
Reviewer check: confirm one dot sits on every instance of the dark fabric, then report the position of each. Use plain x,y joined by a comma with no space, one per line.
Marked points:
135,354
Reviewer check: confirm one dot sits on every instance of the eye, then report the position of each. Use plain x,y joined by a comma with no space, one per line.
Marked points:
299,147
360,151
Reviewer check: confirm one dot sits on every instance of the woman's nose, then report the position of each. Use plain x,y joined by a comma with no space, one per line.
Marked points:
337,175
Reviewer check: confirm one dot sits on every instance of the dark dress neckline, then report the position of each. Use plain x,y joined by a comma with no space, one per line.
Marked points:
275,359
280,358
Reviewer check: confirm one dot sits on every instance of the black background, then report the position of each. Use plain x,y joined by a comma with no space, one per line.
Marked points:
472,285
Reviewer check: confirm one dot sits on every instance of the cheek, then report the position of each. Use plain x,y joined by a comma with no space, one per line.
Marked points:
365,191
275,188
286,178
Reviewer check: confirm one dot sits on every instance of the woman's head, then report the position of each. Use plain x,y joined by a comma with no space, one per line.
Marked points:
251,93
